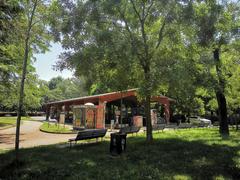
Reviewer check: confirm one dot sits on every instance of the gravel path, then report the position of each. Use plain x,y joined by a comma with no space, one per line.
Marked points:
30,136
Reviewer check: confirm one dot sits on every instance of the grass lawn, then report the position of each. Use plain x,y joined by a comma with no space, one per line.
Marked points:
9,121
53,128
180,154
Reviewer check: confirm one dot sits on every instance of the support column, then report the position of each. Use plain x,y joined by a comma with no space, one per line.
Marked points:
48,107
67,109
59,108
100,119
167,112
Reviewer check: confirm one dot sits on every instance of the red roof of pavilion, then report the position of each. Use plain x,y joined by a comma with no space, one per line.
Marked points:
108,97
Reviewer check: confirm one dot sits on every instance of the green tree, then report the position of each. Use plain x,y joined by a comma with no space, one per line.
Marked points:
216,24
35,91
33,34
60,88
54,82
9,11
108,31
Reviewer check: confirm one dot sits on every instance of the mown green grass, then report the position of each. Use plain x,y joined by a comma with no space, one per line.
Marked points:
54,128
179,154
10,121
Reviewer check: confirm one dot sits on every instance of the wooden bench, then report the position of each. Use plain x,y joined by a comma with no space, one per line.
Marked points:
171,126
184,126
129,130
88,134
158,127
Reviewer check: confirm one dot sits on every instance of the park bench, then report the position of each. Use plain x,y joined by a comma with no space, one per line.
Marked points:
158,127
129,130
171,126
184,126
202,125
88,134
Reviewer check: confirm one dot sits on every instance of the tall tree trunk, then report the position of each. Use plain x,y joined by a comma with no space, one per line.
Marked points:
21,96
148,118
121,112
236,122
145,62
222,110
222,105
24,72
148,105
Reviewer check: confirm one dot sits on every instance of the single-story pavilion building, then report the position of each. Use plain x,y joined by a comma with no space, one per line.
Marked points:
106,108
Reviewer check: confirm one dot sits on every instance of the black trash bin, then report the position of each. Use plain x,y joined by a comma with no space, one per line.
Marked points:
118,143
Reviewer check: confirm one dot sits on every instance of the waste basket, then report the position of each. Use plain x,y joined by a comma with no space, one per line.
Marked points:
118,143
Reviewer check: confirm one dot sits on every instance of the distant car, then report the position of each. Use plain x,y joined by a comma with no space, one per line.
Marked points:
202,122
52,120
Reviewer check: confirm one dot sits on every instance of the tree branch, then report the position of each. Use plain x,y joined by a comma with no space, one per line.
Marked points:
143,60
30,21
148,10
136,11
160,34
133,42
126,24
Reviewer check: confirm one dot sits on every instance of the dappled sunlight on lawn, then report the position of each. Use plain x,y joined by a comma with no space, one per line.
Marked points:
184,154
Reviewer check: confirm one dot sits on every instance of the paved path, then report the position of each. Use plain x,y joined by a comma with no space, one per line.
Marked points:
30,136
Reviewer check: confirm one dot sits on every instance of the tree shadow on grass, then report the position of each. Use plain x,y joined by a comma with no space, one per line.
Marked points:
193,158
8,139
5,124
162,159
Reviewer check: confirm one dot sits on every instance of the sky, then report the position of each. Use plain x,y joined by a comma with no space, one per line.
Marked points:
44,63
